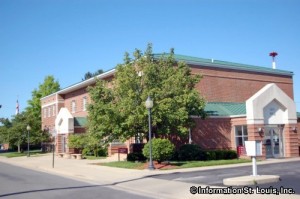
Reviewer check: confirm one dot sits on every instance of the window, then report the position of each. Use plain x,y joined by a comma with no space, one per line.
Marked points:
84,103
73,106
49,111
53,110
45,112
241,135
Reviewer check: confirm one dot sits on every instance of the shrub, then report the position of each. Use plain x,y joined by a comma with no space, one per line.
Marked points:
102,152
210,155
190,152
162,149
137,147
174,156
87,152
132,157
231,154
220,155
98,152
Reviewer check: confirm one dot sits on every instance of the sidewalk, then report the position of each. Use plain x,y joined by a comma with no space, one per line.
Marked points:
135,181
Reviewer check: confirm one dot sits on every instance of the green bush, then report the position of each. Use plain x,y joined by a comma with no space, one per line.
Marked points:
132,157
137,147
102,152
162,149
98,152
220,155
189,152
210,155
231,154
87,152
174,156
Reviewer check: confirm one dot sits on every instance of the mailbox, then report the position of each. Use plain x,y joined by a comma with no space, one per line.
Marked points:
253,148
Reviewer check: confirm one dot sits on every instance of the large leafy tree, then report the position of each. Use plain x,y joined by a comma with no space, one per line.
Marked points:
33,110
119,112
17,134
14,132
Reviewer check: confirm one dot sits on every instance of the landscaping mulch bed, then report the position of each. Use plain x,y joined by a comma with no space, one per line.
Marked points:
163,165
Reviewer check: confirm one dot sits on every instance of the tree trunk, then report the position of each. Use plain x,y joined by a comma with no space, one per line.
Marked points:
19,148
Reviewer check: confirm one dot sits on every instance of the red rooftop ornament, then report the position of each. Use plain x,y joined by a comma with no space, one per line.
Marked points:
273,55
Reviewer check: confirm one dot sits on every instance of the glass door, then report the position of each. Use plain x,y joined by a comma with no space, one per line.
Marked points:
273,142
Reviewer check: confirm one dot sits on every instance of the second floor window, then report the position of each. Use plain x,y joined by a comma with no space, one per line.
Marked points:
53,110
49,111
84,103
73,106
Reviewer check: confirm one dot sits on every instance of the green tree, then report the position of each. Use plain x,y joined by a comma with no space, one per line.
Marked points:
4,129
33,110
85,141
120,113
17,133
89,75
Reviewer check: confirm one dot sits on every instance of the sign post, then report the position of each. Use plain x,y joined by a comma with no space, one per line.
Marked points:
253,149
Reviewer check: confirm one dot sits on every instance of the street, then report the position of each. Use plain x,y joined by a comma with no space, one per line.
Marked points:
289,173
17,182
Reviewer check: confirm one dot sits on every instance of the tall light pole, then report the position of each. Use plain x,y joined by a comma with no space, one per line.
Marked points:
28,129
149,106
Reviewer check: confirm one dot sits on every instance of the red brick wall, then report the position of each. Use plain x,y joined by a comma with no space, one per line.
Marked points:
48,112
224,85
212,133
298,133
78,96
291,144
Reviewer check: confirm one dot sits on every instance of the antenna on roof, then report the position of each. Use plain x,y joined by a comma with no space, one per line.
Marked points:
273,55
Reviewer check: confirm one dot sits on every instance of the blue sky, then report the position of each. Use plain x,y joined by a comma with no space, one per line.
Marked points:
67,38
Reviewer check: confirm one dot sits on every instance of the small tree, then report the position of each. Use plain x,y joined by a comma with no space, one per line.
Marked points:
77,140
162,149
87,142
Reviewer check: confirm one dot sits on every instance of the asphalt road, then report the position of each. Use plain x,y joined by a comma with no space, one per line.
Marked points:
17,182
289,173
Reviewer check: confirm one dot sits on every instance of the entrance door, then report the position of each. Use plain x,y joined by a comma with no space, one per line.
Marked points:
273,142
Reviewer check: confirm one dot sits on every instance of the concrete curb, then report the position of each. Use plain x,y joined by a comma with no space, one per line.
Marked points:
251,180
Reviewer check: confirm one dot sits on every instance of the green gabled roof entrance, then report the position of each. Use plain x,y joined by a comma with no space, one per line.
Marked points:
80,121
225,108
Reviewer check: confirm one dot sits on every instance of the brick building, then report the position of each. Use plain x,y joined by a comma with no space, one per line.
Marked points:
244,102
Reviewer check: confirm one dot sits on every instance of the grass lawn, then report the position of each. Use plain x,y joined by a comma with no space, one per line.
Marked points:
91,157
16,154
174,164
124,164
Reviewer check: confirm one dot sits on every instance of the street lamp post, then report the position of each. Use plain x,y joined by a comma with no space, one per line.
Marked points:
149,105
28,129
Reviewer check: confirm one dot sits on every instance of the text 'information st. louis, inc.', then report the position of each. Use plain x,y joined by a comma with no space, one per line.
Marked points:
241,190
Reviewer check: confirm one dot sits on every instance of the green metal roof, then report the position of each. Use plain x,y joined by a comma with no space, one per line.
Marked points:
225,108
225,64
80,121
